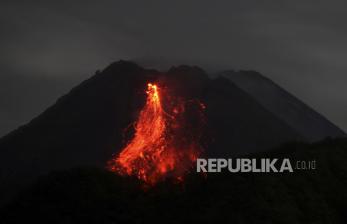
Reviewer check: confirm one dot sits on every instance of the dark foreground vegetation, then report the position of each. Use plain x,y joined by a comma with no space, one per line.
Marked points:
91,195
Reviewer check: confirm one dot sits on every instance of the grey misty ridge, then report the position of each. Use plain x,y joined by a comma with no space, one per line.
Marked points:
86,126
307,122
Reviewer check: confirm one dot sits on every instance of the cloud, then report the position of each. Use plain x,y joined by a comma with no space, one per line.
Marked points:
298,44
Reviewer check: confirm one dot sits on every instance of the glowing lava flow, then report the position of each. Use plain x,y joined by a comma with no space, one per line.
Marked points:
155,152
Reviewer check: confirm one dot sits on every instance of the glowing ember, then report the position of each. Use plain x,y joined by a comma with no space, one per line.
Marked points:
160,147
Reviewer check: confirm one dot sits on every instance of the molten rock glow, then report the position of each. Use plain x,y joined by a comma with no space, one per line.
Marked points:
159,147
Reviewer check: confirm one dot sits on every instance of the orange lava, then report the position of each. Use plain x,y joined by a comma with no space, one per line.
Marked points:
158,148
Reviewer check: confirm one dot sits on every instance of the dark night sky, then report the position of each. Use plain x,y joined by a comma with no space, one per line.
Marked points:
47,47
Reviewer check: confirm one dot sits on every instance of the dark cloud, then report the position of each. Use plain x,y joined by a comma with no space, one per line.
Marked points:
299,44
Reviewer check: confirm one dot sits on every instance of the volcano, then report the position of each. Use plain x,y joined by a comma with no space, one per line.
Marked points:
92,123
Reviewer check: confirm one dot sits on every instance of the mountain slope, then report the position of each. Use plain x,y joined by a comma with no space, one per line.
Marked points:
295,113
240,124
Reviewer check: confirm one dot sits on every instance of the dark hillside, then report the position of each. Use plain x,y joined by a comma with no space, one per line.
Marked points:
89,195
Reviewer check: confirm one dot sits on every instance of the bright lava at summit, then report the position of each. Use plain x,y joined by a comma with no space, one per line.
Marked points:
157,151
